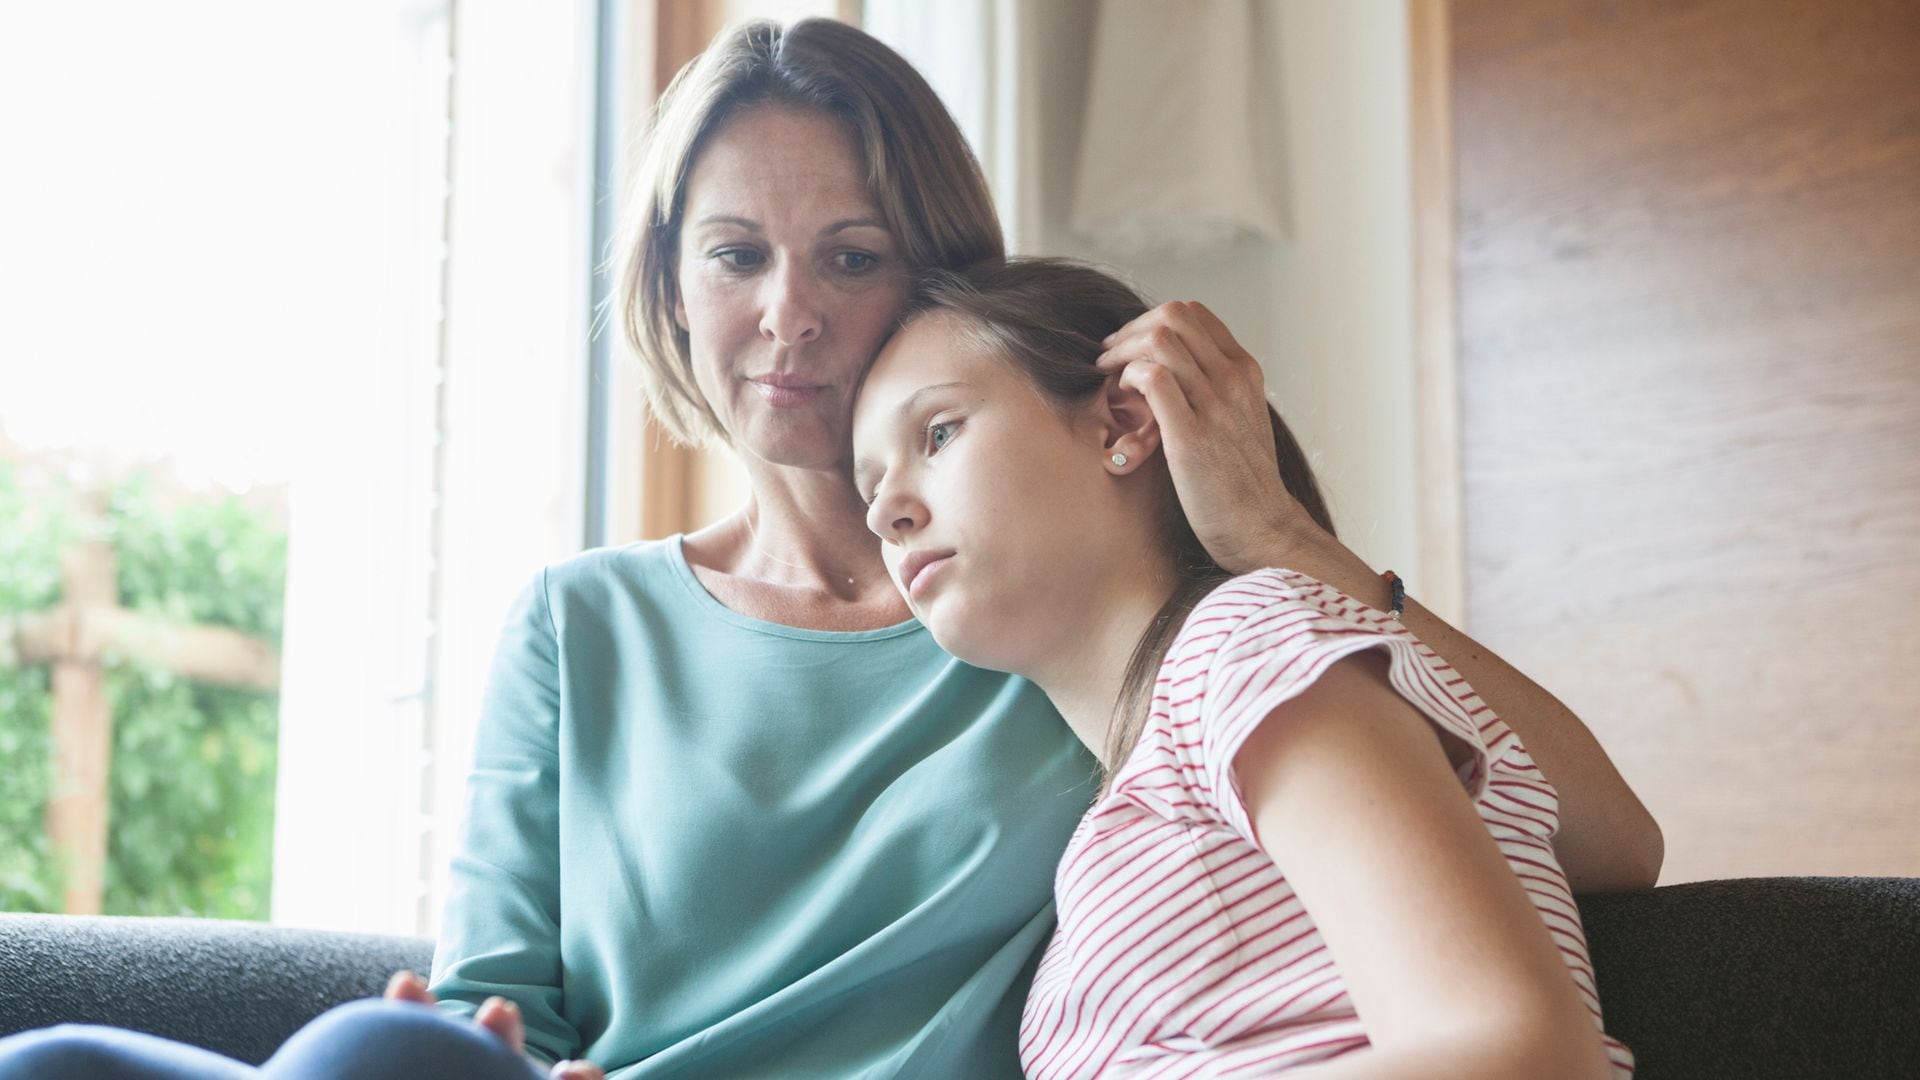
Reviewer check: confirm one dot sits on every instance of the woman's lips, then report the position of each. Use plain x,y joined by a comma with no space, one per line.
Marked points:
922,581
787,393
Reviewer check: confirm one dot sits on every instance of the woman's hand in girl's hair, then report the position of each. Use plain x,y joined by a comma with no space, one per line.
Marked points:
1209,396
496,1014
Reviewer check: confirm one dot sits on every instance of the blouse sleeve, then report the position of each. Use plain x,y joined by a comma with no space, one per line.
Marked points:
1276,635
501,928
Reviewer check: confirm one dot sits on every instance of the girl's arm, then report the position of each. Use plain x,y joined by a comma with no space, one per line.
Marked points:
1209,396
1448,963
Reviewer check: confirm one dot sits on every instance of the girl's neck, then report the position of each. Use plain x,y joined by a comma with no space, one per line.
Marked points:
1084,680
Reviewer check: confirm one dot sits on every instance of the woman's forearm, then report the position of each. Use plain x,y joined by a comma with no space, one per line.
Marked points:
1607,839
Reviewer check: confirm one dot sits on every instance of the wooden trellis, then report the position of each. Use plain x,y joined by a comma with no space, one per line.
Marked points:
78,637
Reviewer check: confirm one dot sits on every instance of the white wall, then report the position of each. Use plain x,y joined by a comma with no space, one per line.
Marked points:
1329,312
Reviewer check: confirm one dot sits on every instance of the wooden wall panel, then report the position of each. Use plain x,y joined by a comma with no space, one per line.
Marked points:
1436,354
1689,287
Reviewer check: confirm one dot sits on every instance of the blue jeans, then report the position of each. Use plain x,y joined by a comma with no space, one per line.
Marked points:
369,1039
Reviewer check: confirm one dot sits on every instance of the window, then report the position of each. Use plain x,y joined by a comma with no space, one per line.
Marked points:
323,271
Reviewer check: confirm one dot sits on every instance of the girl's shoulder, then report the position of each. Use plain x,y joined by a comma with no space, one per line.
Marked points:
1262,588
1261,639
1267,600
1244,645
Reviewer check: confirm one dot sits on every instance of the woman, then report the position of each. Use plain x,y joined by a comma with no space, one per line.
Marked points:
1281,868
795,837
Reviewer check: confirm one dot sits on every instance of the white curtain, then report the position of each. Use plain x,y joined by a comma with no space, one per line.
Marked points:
1171,153
977,55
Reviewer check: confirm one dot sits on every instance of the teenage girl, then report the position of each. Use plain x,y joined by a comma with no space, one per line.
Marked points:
1312,840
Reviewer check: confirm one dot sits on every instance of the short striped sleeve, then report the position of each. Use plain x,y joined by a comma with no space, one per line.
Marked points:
1263,639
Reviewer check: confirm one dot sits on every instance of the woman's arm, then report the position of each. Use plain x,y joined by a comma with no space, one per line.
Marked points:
1607,839
500,929
1447,962
1209,396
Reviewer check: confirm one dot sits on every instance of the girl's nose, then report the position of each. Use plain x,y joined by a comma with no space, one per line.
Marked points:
892,516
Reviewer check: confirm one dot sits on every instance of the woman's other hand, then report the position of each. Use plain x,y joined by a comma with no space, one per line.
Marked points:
498,1015
1209,396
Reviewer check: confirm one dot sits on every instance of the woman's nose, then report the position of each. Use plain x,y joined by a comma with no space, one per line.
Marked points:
790,315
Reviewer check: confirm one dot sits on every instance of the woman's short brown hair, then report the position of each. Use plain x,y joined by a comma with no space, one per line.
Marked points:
925,180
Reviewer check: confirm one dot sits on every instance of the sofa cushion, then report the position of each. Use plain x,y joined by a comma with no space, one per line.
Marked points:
1749,978
1762,977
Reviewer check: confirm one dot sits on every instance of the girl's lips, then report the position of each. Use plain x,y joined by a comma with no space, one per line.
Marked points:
923,578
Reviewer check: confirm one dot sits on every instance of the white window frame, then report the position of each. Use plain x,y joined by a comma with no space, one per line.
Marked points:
476,440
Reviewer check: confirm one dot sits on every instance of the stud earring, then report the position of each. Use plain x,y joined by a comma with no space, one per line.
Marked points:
1119,459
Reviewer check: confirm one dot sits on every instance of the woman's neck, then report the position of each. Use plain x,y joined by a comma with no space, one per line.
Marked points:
801,529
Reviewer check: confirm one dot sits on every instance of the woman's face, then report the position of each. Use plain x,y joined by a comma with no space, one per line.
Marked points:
990,504
789,279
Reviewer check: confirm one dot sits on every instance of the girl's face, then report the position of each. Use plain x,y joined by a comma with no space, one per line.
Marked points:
789,279
992,506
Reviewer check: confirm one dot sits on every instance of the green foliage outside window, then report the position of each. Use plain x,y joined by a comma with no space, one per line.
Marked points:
190,812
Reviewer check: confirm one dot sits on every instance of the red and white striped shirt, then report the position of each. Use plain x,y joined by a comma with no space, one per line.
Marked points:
1181,950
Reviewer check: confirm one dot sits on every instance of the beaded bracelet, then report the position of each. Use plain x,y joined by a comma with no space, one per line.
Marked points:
1397,593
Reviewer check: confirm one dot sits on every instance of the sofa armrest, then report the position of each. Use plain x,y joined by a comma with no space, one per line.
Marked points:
237,988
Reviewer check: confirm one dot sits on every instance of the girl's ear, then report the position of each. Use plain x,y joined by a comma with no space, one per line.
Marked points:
1127,426
680,310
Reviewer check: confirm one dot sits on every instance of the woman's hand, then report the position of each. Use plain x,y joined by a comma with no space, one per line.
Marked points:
1209,397
496,1014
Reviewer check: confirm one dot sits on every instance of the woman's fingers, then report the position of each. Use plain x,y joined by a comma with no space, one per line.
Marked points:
576,1070
1171,409
1223,338
497,1014
1168,345
1203,338
406,986
502,1017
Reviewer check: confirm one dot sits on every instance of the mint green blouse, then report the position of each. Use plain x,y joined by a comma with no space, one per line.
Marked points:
700,844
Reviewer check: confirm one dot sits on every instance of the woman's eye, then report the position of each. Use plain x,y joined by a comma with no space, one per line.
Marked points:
738,258
858,262
939,435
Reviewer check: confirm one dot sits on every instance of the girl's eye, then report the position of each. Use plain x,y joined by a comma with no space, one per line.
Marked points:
858,262
738,258
939,435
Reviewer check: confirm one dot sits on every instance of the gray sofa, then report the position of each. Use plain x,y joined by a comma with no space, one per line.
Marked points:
1748,978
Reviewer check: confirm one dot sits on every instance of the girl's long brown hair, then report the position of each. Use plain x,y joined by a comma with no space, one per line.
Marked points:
1048,317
